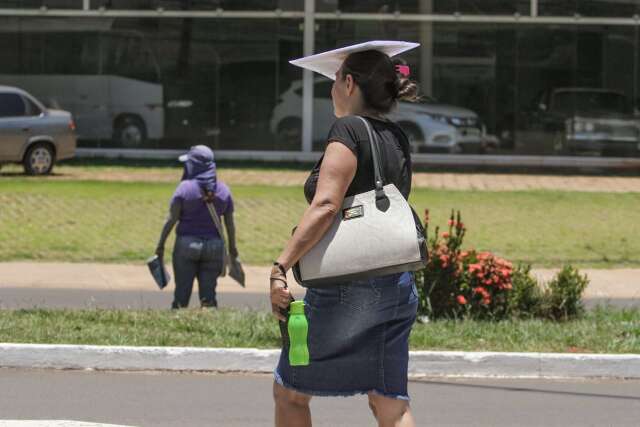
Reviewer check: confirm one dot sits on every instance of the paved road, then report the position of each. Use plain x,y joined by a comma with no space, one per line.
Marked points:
187,399
16,298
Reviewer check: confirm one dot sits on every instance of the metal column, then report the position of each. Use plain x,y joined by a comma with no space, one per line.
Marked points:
534,8
307,76
426,50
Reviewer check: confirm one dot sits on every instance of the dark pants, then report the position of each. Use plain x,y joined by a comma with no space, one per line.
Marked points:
195,257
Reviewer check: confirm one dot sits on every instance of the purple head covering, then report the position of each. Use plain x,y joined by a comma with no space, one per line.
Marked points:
199,164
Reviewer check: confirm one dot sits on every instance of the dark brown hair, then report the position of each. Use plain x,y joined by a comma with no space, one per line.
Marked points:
376,76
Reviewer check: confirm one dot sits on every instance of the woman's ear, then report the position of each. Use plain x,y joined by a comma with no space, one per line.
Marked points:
350,84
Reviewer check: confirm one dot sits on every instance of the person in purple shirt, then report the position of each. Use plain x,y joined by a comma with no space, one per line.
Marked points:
199,248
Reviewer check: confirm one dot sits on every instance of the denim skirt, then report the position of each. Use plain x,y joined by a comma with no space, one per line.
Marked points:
358,339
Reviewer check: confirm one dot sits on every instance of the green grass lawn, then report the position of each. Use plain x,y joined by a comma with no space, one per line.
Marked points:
120,222
601,331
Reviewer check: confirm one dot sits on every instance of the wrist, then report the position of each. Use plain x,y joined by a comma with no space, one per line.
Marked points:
279,268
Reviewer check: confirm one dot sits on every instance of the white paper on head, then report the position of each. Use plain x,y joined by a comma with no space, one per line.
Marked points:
328,63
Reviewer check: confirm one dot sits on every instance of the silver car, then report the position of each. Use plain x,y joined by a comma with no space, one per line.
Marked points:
33,135
429,125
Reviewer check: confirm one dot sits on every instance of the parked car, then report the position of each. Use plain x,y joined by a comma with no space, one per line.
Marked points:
576,120
429,125
33,135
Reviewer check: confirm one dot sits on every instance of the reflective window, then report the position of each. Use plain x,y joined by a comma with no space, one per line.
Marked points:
476,7
246,5
605,8
35,4
166,83
511,89
11,105
589,102
484,7
31,108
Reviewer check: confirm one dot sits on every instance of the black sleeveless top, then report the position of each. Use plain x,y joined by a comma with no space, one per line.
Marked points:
395,153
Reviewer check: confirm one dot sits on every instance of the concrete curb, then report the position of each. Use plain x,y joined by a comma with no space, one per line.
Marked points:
422,363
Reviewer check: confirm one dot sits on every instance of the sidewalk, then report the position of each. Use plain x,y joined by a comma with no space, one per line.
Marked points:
605,284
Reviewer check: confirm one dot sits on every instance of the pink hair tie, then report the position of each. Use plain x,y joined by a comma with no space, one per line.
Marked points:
403,69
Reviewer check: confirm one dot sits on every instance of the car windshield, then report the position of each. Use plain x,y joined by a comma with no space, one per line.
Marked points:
590,102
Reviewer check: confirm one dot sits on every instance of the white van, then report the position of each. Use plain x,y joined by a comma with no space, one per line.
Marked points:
109,80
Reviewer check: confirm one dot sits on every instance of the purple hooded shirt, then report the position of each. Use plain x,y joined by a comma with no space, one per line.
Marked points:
195,219
200,176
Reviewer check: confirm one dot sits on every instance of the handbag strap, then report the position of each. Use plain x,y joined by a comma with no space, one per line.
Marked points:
216,220
375,155
218,224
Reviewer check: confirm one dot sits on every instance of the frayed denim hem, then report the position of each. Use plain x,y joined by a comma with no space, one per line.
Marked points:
278,379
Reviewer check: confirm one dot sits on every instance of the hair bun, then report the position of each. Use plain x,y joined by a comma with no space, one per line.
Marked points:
407,90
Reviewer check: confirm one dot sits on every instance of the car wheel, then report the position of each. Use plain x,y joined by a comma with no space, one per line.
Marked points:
39,159
130,132
289,135
414,135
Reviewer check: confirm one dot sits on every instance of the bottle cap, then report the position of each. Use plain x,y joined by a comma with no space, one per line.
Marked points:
297,307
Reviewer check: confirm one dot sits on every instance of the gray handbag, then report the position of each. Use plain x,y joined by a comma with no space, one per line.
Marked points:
376,233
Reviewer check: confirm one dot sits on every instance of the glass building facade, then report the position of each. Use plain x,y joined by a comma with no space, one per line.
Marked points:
535,77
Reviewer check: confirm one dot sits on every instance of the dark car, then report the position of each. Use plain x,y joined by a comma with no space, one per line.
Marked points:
578,121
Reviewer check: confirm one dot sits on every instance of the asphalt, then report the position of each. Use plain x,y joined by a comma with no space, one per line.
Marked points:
188,399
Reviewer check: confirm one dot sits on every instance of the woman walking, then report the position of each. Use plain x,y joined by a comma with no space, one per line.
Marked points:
199,247
358,331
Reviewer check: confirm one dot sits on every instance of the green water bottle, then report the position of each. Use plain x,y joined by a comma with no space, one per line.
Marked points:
298,329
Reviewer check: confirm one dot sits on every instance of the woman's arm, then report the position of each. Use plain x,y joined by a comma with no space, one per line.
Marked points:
336,173
174,216
231,234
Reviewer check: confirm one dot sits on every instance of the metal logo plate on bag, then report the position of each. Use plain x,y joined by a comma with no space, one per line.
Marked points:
353,212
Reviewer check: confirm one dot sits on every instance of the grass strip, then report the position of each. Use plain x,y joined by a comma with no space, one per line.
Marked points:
602,330
120,222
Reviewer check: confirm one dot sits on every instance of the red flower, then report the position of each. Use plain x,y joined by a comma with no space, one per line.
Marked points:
483,256
505,272
475,268
451,222
445,235
460,225
480,290
461,300
444,259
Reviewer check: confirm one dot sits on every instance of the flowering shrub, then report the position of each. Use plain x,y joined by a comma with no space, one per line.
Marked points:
481,285
464,283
